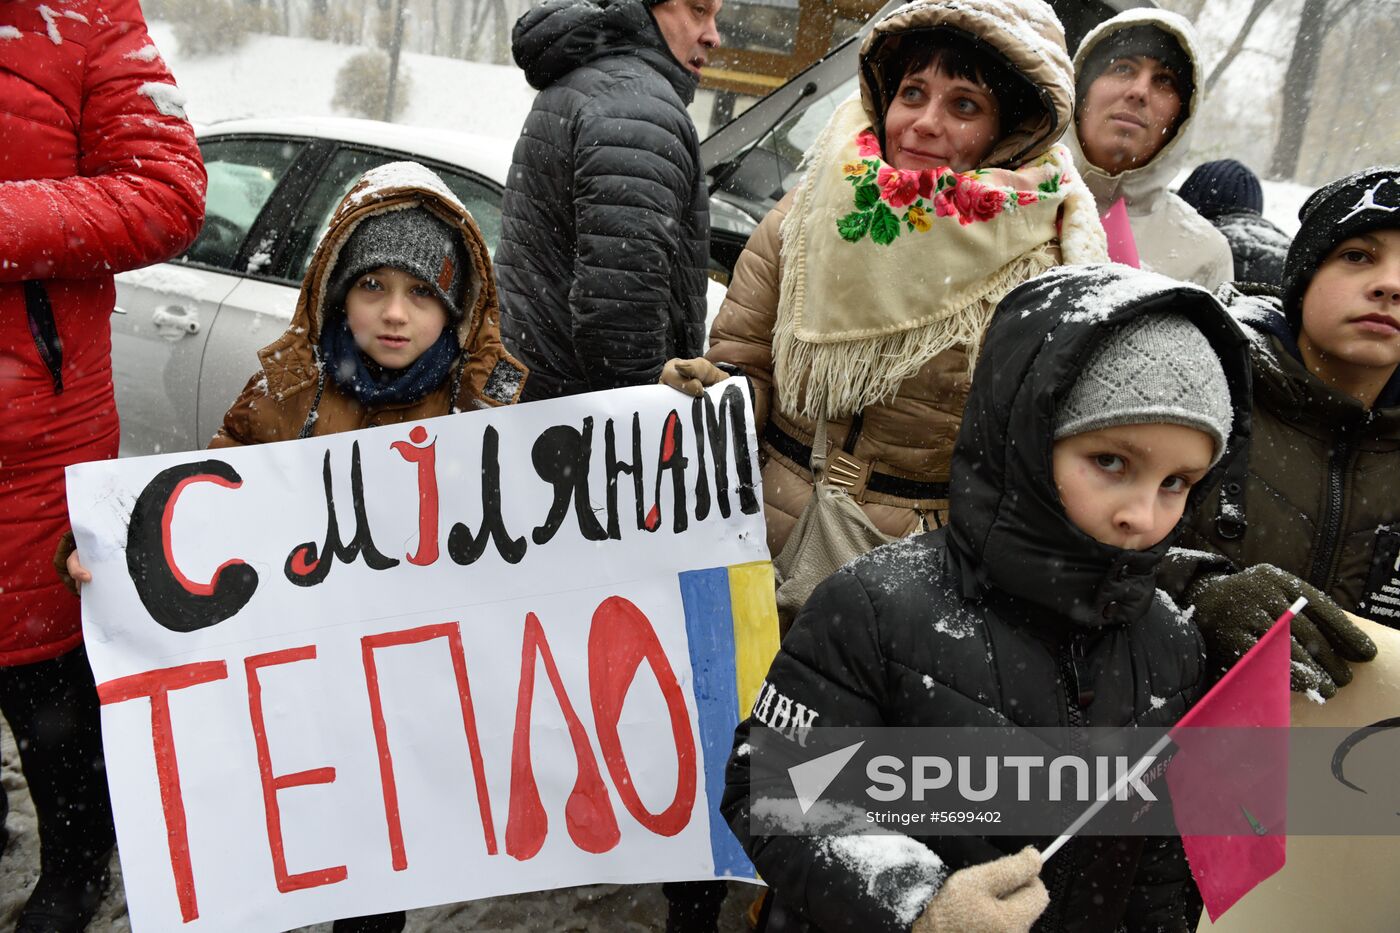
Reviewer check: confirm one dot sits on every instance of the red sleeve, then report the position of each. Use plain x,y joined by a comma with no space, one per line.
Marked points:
138,197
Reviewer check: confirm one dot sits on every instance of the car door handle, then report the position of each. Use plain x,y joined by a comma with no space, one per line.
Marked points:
173,322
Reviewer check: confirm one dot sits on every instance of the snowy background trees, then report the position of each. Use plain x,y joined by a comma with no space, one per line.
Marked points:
1298,89
1301,90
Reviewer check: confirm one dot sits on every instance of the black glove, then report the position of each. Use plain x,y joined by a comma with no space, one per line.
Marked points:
1233,611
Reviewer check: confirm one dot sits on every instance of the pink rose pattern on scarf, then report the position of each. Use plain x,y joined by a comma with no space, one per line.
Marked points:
887,198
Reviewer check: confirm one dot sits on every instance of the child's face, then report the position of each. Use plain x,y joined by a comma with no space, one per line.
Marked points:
1351,310
1126,486
394,317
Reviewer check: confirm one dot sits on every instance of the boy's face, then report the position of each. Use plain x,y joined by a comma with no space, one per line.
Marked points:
394,317
1351,311
1126,486
1128,113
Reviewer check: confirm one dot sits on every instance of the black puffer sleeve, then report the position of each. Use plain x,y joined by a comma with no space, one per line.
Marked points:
1161,894
831,663
634,174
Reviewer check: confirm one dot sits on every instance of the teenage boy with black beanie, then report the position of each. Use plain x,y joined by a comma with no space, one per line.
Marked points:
1318,498
1228,194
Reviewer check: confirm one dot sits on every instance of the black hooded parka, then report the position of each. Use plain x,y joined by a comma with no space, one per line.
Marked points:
1010,615
605,221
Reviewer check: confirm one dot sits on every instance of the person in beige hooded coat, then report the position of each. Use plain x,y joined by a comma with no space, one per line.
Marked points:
1125,149
862,297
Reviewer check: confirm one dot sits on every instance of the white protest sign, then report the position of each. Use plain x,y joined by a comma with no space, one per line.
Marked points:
482,654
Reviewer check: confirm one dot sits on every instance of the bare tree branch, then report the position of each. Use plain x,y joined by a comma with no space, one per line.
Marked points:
1255,11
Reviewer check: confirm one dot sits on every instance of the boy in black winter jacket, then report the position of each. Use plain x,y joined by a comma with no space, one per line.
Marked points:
1103,397
1315,508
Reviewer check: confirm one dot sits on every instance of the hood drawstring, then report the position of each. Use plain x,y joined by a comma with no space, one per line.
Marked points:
456,382
310,421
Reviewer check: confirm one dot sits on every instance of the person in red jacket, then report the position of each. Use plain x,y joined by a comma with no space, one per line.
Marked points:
99,172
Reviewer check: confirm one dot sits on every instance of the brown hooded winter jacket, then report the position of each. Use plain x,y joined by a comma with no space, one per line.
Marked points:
279,398
910,437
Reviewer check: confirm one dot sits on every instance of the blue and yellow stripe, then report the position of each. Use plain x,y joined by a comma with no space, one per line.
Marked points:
731,619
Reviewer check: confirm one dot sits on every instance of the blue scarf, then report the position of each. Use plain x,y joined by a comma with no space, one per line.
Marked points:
374,386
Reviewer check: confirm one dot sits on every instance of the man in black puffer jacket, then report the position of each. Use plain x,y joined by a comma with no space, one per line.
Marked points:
1035,607
605,222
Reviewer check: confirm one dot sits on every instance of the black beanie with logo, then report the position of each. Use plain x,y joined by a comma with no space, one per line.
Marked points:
1359,203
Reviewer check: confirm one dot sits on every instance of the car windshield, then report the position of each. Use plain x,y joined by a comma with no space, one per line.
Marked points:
769,168
341,173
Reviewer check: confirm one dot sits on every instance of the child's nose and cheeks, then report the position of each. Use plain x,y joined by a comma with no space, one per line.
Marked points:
396,308
1384,285
1137,515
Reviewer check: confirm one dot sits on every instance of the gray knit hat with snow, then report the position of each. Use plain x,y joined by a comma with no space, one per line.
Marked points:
1155,369
412,239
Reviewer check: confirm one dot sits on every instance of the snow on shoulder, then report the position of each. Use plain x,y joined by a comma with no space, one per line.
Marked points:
9,32
399,175
1256,312
147,53
1108,290
168,98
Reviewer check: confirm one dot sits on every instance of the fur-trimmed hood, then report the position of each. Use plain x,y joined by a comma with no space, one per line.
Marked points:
290,361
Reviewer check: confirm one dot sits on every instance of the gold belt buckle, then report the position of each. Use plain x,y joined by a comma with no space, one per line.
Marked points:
850,473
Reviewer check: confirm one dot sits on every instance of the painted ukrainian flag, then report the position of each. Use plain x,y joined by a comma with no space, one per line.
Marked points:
731,619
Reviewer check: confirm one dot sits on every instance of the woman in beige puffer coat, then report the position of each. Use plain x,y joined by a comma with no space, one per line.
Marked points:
872,318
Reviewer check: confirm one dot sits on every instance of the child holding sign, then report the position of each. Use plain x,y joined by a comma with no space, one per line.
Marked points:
1318,499
1102,398
397,321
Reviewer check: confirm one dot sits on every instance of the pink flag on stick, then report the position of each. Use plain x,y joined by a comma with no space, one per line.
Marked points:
1121,245
1240,795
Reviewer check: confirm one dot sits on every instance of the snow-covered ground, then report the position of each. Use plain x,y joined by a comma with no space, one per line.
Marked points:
276,76
1282,199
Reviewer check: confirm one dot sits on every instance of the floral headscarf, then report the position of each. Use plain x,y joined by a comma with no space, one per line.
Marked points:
884,268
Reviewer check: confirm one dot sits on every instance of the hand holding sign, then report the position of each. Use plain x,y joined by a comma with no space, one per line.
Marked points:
427,662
